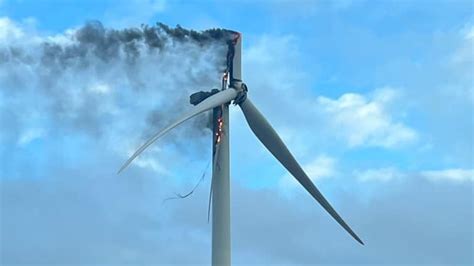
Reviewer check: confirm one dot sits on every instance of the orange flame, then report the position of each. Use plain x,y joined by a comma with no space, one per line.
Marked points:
220,124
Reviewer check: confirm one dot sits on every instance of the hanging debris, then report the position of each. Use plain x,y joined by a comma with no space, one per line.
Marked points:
183,196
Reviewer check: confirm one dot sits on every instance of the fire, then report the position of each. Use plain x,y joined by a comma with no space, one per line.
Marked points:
224,79
220,124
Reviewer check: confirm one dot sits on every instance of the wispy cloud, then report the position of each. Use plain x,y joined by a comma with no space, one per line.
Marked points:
353,119
321,167
365,121
381,174
453,175
9,30
30,135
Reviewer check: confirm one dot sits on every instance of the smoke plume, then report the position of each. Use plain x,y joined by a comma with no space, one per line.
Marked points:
95,80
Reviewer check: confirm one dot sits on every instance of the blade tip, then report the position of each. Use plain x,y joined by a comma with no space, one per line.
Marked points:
125,165
359,240
121,169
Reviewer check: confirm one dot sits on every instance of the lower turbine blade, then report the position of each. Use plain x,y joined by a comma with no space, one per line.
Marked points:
270,139
215,100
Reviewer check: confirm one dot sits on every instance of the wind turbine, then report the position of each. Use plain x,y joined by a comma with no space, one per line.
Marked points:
233,89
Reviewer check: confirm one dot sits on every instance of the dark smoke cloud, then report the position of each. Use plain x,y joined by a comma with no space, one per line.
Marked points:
107,44
94,78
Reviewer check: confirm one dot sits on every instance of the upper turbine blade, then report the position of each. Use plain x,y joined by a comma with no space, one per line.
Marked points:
209,103
270,139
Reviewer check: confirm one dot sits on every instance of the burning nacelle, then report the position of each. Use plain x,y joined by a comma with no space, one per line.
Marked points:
200,96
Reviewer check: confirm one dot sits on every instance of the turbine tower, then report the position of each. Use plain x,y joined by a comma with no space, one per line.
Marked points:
220,184
233,89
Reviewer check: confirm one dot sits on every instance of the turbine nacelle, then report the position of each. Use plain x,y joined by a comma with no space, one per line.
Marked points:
200,96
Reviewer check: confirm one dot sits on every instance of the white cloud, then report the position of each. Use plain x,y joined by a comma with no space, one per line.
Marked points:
464,54
30,135
100,88
380,174
65,38
470,33
391,173
462,64
9,30
150,163
322,166
362,120
272,68
20,33
454,174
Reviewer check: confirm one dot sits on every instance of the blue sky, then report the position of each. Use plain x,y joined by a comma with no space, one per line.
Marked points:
374,98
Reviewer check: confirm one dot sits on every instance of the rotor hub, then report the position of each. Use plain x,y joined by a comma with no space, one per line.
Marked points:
242,90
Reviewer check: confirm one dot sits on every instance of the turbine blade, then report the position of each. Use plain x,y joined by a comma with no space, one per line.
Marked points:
270,139
209,103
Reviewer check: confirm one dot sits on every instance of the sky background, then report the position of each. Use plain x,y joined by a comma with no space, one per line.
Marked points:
374,98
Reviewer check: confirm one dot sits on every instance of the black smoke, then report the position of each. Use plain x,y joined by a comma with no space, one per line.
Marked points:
105,44
85,79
